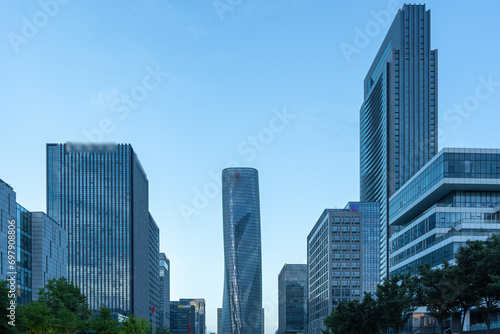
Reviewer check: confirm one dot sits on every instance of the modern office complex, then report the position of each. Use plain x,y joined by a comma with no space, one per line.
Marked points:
40,246
164,308
199,310
398,118
454,198
342,259
292,299
99,193
182,318
242,299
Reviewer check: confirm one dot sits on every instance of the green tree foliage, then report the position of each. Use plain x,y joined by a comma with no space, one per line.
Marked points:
480,261
354,317
436,289
396,301
67,304
104,323
35,318
135,325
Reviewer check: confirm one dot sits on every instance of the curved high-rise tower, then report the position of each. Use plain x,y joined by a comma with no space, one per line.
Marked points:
242,300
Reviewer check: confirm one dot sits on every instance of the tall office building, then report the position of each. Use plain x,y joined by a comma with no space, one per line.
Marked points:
342,259
242,299
99,193
164,290
292,299
40,242
398,118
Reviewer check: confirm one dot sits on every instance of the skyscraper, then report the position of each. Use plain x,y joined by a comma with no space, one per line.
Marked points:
398,118
292,299
99,193
242,300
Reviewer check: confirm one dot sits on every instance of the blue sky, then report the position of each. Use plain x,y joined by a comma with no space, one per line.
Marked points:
194,88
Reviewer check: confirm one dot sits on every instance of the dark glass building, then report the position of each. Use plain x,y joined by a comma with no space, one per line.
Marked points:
292,299
99,193
40,246
342,259
182,318
398,118
242,299
199,309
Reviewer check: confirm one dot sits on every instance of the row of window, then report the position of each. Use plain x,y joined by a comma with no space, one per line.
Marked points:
345,229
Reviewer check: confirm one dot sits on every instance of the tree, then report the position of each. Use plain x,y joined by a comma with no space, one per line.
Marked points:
465,297
342,318
135,325
436,290
67,304
354,317
480,259
395,300
104,323
35,318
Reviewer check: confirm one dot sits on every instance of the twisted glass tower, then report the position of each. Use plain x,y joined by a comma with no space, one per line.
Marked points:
242,300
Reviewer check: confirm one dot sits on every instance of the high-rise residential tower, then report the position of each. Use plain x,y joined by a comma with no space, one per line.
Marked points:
242,300
398,118
99,193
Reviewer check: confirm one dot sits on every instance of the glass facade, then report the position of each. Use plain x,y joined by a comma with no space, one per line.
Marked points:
242,299
480,165
454,198
292,299
24,255
398,118
182,318
99,193
40,246
199,309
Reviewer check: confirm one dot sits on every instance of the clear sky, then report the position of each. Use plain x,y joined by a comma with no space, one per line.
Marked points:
197,85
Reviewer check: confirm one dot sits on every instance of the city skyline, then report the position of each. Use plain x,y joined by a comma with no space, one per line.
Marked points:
53,93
